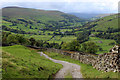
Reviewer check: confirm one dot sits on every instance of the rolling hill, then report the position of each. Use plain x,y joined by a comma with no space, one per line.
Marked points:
103,24
30,20
27,13
58,27
90,16
38,16
52,29
85,15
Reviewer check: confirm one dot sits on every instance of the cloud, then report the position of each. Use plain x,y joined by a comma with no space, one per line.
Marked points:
59,0
83,6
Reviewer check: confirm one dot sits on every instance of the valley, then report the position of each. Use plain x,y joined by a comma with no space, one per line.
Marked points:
58,30
27,32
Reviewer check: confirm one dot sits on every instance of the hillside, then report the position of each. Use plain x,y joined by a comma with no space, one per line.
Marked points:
90,16
21,62
45,44
41,19
86,15
27,13
103,24
51,29
40,24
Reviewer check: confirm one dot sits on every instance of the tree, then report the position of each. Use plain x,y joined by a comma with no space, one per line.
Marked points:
89,47
32,40
83,36
73,46
22,40
11,39
45,45
64,46
54,45
31,27
4,38
39,43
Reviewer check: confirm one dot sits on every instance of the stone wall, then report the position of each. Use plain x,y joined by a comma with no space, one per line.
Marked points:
82,57
104,62
108,62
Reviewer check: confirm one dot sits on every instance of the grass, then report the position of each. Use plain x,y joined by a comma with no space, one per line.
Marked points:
87,70
68,38
103,43
56,39
39,37
59,39
64,30
104,23
37,19
21,62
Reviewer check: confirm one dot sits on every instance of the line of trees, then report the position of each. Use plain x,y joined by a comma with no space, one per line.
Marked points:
115,37
9,39
16,30
89,47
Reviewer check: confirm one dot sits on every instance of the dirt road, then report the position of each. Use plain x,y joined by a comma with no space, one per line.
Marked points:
71,68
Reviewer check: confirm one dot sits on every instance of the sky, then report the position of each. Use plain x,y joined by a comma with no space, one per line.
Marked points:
67,6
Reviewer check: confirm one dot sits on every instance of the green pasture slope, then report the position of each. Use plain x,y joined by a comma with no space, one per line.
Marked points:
105,44
39,37
37,19
55,39
59,39
104,23
87,70
21,62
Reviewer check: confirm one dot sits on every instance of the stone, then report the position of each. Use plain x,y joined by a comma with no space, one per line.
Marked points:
103,62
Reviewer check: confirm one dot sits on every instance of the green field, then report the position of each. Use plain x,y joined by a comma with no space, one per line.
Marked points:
106,22
59,39
21,62
39,37
103,43
56,39
33,20
87,70
103,26
63,30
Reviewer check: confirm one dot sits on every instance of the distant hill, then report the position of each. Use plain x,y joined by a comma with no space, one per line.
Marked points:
104,23
85,15
38,15
32,20
27,13
104,15
90,16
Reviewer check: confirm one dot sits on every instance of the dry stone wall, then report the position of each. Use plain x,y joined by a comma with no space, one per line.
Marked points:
108,62
103,62
82,57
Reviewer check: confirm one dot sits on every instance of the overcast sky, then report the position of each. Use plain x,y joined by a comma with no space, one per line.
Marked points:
79,6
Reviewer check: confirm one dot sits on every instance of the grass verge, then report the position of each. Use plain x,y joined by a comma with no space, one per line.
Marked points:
87,70
20,62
